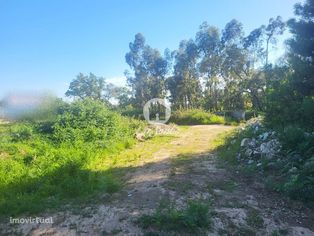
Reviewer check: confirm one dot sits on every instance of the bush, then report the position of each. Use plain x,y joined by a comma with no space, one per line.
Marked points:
48,162
291,137
291,172
21,132
130,111
193,218
90,121
195,117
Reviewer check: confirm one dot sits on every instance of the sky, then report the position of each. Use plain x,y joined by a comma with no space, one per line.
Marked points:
45,44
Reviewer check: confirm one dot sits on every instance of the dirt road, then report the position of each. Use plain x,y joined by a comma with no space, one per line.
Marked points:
185,168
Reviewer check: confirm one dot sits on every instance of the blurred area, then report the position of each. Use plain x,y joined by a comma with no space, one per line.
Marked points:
26,105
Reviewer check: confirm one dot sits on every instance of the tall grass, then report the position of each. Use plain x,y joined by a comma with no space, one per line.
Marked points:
45,163
195,117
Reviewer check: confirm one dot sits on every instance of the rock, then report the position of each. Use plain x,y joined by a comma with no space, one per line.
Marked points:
301,231
250,162
259,164
245,142
248,152
270,148
256,151
264,136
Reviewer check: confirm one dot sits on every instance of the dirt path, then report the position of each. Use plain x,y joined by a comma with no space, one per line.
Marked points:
185,169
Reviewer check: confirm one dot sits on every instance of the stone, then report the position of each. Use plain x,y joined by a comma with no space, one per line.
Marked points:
245,142
248,152
270,148
264,136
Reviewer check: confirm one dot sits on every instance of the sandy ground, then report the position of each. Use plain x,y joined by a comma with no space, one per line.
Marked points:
197,176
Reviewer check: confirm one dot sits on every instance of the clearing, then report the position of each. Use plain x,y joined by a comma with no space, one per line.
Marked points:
183,168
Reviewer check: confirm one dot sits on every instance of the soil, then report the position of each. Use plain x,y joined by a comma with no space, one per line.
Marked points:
187,168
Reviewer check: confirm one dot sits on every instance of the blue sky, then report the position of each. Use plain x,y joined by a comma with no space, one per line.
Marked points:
45,44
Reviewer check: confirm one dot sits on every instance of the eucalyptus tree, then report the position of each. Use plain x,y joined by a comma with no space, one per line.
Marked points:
209,46
256,81
274,28
184,85
234,65
149,71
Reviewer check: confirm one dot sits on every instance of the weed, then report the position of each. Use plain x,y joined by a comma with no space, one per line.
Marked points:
254,220
195,217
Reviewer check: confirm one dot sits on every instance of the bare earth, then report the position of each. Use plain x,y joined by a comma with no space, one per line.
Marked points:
186,168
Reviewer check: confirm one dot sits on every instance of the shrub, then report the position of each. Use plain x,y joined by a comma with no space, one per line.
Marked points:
90,121
130,111
291,137
50,160
195,117
292,172
193,218
21,132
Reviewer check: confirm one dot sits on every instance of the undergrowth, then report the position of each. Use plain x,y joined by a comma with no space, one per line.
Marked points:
291,172
65,158
195,217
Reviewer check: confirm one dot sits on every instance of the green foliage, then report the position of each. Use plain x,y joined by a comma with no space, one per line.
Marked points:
195,117
133,112
195,217
254,219
230,64
44,163
90,121
229,144
291,137
87,87
21,132
283,99
150,69
45,112
292,172
291,93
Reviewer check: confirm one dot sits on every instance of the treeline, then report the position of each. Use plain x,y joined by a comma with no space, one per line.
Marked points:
217,70
221,70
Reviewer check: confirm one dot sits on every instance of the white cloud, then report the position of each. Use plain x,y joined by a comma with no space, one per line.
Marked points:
118,81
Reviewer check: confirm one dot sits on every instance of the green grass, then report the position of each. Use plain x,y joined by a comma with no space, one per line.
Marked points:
195,117
194,218
69,159
37,175
228,186
254,220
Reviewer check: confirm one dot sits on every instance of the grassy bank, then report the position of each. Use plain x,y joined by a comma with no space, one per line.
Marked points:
290,171
74,154
195,117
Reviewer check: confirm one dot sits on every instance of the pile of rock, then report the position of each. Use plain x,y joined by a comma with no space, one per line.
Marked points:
265,145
